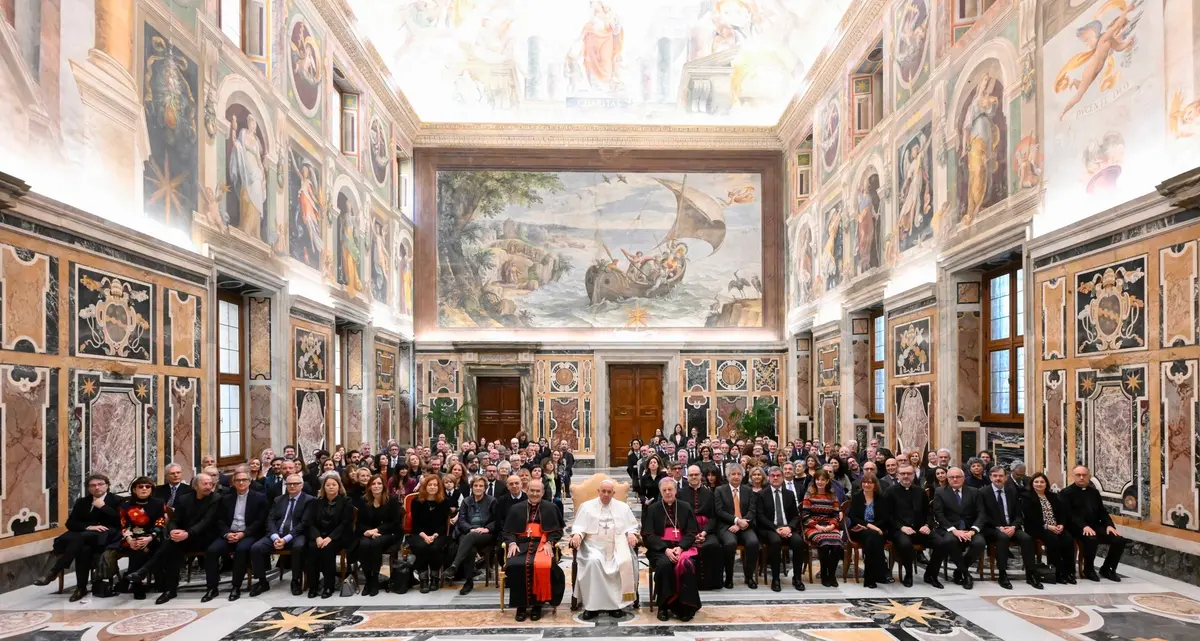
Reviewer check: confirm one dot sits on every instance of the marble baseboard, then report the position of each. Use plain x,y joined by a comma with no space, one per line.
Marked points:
1178,565
585,463
19,573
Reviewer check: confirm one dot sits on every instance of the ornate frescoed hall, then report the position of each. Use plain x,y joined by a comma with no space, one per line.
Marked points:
716,320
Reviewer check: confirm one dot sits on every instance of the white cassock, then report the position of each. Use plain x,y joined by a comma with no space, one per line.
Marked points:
605,579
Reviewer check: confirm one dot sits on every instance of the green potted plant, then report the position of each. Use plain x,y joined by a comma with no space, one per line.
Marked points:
444,418
758,420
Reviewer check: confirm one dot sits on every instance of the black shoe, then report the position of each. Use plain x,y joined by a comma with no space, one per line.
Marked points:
1092,576
1071,579
958,577
798,584
728,584
907,580
1004,583
139,590
235,594
448,574
1110,574
870,583
297,588
889,579
932,579
136,577
326,593
166,596
260,586
47,579
78,594
833,579
1033,581
587,615
686,618
467,587
967,581
313,592
616,614
663,615
521,615
775,587
535,613
209,596
751,583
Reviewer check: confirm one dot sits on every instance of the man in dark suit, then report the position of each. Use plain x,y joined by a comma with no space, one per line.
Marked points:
1004,525
914,526
514,495
1091,525
241,520
700,498
174,488
771,456
94,523
190,529
779,524
285,531
737,512
493,487
289,468
960,521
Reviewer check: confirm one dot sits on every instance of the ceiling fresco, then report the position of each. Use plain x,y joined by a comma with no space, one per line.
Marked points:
671,62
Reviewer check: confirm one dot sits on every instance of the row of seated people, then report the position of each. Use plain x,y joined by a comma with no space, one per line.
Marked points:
157,528
953,522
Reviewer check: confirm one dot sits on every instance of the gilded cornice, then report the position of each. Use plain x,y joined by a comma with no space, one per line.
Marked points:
831,66
577,136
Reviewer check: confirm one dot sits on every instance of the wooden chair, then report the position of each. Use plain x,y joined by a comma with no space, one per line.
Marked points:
501,575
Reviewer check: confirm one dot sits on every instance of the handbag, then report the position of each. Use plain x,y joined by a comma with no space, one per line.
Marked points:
401,578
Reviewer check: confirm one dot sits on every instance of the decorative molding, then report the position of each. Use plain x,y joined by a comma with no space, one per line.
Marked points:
12,189
911,300
1182,190
589,136
1074,240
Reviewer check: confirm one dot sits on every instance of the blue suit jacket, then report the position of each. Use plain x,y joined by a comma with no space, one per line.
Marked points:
299,514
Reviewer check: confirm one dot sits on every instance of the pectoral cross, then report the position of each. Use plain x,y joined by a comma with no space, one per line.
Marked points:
529,532
675,531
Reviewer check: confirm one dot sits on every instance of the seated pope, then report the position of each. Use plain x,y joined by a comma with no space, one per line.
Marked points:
530,531
604,536
670,532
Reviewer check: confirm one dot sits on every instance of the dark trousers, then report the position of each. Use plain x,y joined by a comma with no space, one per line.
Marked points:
954,549
217,551
750,548
469,545
1001,542
775,544
903,544
875,565
82,548
261,551
321,563
1060,550
1116,547
169,559
427,556
370,553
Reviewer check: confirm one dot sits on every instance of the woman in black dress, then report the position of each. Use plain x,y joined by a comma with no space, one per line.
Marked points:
649,482
870,522
1045,520
678,437
430,520
329,522
378,521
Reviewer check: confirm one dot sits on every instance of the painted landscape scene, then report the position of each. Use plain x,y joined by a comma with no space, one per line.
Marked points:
599,250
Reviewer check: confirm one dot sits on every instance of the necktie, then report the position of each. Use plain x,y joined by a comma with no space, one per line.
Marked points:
779,508
171,501
287,517
737,501
958,496
1003,507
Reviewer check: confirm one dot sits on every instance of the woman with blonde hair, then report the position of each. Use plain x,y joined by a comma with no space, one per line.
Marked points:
430,521
329,522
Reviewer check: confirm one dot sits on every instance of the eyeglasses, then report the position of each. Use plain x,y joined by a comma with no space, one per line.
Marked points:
143,486
294,483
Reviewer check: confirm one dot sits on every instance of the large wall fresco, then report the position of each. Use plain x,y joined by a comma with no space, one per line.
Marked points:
599,250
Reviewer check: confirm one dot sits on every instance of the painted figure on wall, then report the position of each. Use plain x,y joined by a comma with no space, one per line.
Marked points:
867,224
306,235
380,261
912,44
595,60
1027,162
404,268
915,220
169,97
804,262
983,150
351,245
1102,44
245,154
831,134
833,253
381,151
307,69
1102,160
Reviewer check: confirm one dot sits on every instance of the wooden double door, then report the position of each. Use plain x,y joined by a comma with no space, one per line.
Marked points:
499,407
635,407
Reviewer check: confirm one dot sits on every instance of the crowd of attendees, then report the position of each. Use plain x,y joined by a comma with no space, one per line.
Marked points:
752,492
444,504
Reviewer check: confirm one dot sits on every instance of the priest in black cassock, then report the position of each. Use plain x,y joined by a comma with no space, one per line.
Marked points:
669,530
710,565
531,530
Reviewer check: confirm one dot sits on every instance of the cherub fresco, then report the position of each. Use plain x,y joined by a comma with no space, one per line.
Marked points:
1099,59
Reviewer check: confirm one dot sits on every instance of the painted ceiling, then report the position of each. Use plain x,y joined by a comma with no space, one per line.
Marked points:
670,62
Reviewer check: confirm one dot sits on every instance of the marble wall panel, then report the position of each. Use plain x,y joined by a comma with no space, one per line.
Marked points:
969,375
1110,308
113,316
565,421
443,376
385,367
182,433
726,405
696,409
828,364
309,411
1007,446
28,301
1178,294
353,418
968,293
828,408
696,374
260,338
1180,472
914,416
385,409
182,328
1054,318
804,384
766,374
1054,423
353,376
564,377
29,471
310,355
260,418
1112,435
732,376
912,347
860,353
110,429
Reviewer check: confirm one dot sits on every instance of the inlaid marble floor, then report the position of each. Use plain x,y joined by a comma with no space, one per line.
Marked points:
1142,607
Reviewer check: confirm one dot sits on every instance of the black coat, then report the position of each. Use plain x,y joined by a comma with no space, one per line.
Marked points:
766,510
650,485
1035,523
482,512
518,519
949,513
255,516
197,516
655,524
504,504
883,511
333,520
1085,508
430,517
279,511
909,507
996,514
702,503
385,518
723,497
83,515
163,492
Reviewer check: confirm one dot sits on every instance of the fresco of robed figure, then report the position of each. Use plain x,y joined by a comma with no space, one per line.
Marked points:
599,250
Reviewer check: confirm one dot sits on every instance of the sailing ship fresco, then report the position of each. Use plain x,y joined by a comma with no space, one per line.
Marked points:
660,250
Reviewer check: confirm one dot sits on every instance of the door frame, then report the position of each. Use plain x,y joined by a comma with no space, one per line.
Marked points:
668,359
471,374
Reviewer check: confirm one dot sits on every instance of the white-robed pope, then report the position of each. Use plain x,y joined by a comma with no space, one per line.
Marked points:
604,535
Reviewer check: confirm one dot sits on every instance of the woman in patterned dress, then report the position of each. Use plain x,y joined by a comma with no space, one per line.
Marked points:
1045,520
142,520
823,526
